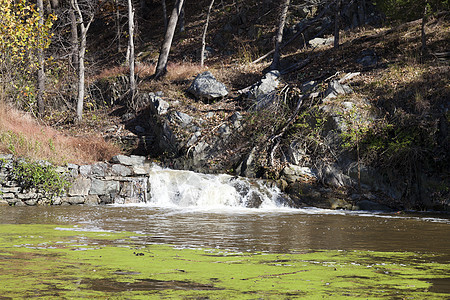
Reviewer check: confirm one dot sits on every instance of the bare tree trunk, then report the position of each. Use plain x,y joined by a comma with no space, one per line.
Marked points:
202,53
279,37
164,7
41,72
119,32
181,22
161,67
131,46
81,54
336,24
74,39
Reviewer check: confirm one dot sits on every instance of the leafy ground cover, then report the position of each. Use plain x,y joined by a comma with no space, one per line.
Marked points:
49,261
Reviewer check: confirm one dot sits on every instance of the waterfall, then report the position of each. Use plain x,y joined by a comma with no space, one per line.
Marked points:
186,188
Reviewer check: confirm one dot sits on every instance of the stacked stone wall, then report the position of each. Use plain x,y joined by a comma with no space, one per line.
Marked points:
122,180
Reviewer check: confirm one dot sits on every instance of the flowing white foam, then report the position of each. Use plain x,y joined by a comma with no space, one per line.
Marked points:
175,188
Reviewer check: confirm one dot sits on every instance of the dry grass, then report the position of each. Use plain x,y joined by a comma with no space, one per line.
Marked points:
22,136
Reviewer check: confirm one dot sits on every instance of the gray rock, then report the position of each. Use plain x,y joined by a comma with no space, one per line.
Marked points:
137,159
28,195
206,86
80,186
11,201
31,202
85,170
293,173
56,201
333,176
335,88
101,187
99,169
140,170
199,152
317,42
160,106
128,160
120,170
4,202
19,203
91,200
183,118
266,85
10,190
8,196
72,166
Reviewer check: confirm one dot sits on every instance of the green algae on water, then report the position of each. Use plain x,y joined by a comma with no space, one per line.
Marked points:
67,262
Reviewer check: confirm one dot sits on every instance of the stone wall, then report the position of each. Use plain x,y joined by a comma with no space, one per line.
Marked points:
122,180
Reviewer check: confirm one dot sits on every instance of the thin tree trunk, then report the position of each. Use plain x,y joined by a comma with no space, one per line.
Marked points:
164,7
131,46
181,22
336,24
81,54
202,53
161,67
81,70
41,72
119,32
74,39
279,37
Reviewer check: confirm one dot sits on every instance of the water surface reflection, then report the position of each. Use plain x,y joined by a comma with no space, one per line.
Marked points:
252,230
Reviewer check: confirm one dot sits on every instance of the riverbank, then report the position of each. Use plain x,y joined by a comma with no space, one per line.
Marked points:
363,126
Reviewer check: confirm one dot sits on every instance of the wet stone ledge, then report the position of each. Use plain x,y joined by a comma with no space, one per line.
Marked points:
122,180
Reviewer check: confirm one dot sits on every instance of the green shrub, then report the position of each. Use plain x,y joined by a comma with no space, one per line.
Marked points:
40,176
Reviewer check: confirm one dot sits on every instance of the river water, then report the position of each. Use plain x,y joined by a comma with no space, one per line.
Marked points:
192,210
243,229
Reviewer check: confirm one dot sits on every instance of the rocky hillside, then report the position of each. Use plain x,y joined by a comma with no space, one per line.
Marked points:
364,125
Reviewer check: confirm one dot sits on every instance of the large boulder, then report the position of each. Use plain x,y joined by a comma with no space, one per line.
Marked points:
317,42
206,86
